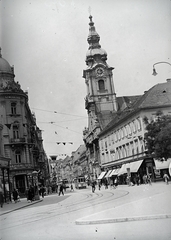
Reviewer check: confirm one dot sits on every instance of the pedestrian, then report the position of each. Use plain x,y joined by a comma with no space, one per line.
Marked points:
93,187
42,191
61,190
145,179
15,195
30,194
18,196
106,184
137,180
116,182
1,197
72,189
149,179
166,178
99,185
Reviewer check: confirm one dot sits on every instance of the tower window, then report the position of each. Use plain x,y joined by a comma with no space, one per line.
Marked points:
18,156
13,108
101,85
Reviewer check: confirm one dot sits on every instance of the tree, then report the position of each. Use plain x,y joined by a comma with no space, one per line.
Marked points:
158,136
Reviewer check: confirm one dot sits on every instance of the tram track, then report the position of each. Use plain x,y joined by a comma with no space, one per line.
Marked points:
64,207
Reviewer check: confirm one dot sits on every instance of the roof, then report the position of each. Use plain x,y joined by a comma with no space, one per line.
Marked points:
124,102
4,66
157,96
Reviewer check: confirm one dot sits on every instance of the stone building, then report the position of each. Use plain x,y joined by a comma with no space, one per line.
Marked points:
79,162
4,169
121,142
21,138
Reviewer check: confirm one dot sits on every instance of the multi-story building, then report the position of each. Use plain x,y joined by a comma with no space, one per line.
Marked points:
122,143
4,169
79,162
21,138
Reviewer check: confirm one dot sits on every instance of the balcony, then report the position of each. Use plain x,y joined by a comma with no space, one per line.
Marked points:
21,166
17,140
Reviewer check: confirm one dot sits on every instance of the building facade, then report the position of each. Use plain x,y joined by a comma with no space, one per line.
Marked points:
21,138
4,170
122,144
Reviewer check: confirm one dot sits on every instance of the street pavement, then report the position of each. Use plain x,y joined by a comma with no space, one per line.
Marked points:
137,212
157,205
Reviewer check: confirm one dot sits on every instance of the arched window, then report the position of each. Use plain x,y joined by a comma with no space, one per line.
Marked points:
139,124
18,156
101,85
142,149
137,150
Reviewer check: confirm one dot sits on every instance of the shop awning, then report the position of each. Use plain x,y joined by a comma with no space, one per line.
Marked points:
134,166
108,173
162,164
114,172
123,169
101,175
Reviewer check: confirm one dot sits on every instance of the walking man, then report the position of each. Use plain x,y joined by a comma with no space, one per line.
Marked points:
166,178
61,190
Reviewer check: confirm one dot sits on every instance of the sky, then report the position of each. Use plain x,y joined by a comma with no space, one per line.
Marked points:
46,41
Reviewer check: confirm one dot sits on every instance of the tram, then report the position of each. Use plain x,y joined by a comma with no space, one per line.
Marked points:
80,182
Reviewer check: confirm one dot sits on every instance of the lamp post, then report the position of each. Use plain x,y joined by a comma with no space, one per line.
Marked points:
35,181
154,70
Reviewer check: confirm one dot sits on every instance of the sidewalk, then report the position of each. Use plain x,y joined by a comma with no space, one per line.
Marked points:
155,206
12,206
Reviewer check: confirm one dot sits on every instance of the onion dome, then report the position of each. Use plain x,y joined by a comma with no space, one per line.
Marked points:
94,46
4,65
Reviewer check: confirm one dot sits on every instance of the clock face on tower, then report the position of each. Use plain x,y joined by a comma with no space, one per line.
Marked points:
99,71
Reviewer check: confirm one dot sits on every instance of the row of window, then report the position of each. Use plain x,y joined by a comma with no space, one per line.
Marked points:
121,133
125,151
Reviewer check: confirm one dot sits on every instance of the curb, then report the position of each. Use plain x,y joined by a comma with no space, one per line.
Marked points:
12,210
118,220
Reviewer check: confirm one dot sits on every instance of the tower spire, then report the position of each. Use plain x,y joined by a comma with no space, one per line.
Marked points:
93,37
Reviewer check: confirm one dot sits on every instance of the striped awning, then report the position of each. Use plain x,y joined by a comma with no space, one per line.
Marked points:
108,173
102,174
114,172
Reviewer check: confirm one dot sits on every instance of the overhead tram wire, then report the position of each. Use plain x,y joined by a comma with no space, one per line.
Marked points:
63,121
67,129
64,127
59,113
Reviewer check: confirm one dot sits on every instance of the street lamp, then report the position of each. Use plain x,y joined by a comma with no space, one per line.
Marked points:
154,70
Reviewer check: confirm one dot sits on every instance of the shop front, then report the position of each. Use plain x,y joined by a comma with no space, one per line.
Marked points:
5,178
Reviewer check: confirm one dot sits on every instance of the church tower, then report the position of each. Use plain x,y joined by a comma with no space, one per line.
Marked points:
100,101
